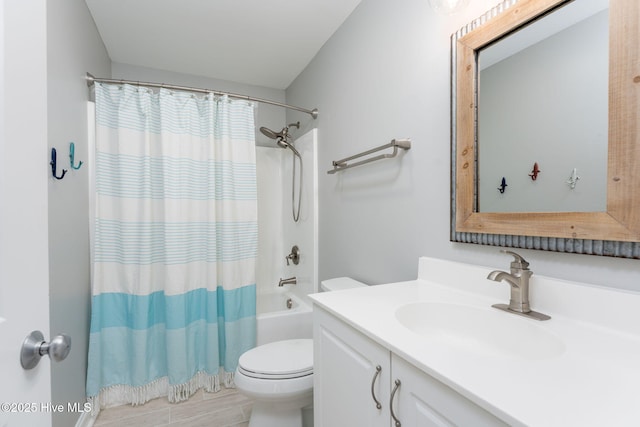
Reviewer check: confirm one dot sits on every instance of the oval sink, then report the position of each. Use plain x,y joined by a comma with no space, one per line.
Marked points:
489,331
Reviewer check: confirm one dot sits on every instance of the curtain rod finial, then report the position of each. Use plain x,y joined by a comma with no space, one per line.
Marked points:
90,79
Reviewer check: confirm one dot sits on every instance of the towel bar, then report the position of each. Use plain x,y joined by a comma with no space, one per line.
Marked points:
342,164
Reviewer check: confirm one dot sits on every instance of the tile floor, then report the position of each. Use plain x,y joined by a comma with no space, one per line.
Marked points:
226,408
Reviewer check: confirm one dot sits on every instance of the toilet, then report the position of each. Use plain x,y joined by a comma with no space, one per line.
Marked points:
279,375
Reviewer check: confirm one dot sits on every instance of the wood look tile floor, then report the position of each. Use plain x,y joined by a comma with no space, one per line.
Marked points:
227,408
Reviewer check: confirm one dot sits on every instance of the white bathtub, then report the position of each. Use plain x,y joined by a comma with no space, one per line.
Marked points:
277,322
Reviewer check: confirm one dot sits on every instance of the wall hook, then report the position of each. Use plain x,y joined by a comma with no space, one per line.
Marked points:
573,179
503,185
72,155
534,173
53,164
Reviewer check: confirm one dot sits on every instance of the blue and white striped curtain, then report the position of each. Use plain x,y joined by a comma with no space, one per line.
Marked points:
175,244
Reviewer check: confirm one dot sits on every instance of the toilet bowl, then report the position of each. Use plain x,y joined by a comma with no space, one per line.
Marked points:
279,375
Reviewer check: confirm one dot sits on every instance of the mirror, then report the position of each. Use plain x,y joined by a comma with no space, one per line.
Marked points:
610,226
533,109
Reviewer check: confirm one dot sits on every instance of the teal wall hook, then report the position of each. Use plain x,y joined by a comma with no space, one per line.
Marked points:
54,166
72,155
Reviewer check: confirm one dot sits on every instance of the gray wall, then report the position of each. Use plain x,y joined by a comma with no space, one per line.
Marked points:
73,48
385,74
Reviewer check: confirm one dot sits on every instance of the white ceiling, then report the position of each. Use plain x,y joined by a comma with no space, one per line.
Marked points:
260,42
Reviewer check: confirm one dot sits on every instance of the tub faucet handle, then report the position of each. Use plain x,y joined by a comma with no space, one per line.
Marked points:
294,255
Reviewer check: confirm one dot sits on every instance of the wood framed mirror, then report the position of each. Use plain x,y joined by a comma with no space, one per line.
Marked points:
612,232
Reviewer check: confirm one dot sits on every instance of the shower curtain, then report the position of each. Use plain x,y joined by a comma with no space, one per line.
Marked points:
175,244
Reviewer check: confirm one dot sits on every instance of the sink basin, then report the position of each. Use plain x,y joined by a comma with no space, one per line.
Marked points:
484,330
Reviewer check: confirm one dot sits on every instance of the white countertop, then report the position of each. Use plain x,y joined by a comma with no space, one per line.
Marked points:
595,381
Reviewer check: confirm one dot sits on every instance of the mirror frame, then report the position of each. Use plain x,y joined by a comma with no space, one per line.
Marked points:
615,232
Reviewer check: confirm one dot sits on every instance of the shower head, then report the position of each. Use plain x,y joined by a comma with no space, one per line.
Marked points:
284,144
282,136
282,140
271,134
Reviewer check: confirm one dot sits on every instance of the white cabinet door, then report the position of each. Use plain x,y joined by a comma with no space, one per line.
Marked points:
423,401
345,377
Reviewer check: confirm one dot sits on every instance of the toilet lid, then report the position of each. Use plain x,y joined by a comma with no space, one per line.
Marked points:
281,359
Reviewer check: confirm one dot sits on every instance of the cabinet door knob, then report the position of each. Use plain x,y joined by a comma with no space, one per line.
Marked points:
393,393
373,382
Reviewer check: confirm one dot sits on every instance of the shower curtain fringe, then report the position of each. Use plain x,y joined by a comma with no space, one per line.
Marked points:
118,395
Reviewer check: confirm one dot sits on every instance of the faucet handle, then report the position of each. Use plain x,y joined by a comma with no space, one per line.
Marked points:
518,262
294,255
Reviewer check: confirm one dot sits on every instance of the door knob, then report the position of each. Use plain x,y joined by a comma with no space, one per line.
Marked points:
34,347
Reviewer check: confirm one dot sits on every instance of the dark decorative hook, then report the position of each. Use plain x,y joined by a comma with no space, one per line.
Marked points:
72,155
503,185
53,164
534,173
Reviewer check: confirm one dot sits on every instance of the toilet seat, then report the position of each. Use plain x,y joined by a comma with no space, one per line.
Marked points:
279,360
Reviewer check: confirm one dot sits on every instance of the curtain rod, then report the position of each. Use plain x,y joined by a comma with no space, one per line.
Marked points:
91,80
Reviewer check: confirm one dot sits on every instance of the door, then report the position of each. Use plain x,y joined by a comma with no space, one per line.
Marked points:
25,396
423,401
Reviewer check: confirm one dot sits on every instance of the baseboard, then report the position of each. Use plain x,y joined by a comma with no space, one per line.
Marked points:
86,420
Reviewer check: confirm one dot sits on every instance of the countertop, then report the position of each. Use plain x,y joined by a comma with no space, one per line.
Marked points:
594,381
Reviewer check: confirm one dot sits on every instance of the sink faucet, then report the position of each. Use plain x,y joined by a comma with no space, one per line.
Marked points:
518,280
289,281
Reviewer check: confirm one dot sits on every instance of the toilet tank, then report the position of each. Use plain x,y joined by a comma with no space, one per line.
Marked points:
340,283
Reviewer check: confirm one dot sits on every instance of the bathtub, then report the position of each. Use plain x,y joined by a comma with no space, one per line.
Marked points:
281,316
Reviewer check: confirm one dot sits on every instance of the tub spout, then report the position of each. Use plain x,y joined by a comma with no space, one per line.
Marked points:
289,281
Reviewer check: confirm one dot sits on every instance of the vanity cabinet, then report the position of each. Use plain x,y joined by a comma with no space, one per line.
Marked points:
423,401
348,385
346,377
